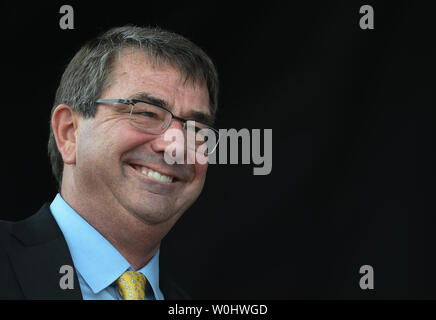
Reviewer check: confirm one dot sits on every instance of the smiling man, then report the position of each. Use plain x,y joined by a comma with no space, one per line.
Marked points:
118,197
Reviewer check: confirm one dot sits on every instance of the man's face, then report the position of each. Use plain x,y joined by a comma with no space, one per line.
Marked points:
112,156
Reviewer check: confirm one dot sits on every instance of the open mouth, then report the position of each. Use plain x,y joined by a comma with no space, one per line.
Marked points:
154,175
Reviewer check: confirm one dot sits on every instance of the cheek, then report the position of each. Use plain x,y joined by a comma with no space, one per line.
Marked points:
105,145
200,171
124,138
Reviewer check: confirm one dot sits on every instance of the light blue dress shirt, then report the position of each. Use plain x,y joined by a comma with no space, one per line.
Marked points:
98,264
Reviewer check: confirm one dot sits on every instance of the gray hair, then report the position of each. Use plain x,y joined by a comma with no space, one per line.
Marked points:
89,72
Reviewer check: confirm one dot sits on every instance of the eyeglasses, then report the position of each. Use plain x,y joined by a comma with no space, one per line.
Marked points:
153,119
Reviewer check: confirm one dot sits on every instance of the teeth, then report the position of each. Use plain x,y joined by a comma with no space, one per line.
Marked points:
157,176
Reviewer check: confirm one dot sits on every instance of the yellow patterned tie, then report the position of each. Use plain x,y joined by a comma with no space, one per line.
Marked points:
131,285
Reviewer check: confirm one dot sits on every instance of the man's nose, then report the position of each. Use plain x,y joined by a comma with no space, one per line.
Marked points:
177,124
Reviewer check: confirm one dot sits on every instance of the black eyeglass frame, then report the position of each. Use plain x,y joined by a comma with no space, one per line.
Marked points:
132,102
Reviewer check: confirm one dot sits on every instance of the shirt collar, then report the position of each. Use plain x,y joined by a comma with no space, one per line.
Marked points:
98,262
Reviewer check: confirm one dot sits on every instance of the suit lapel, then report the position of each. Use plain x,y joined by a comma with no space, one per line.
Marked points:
37,253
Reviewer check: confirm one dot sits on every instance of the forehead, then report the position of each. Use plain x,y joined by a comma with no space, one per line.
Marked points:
134,72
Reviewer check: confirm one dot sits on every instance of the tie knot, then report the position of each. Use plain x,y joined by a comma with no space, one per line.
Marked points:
131,285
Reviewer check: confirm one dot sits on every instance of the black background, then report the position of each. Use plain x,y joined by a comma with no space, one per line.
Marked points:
351,115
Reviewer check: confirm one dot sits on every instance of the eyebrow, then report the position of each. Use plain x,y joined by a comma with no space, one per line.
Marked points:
191,115
147,97
201,117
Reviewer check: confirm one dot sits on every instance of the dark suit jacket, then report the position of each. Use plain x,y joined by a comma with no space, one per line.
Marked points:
32,252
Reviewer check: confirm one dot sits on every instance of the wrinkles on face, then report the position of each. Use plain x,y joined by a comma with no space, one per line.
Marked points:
111,149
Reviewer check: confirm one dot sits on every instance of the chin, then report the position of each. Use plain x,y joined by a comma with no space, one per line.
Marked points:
154,216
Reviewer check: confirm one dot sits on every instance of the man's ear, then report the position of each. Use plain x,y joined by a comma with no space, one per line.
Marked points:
64,125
